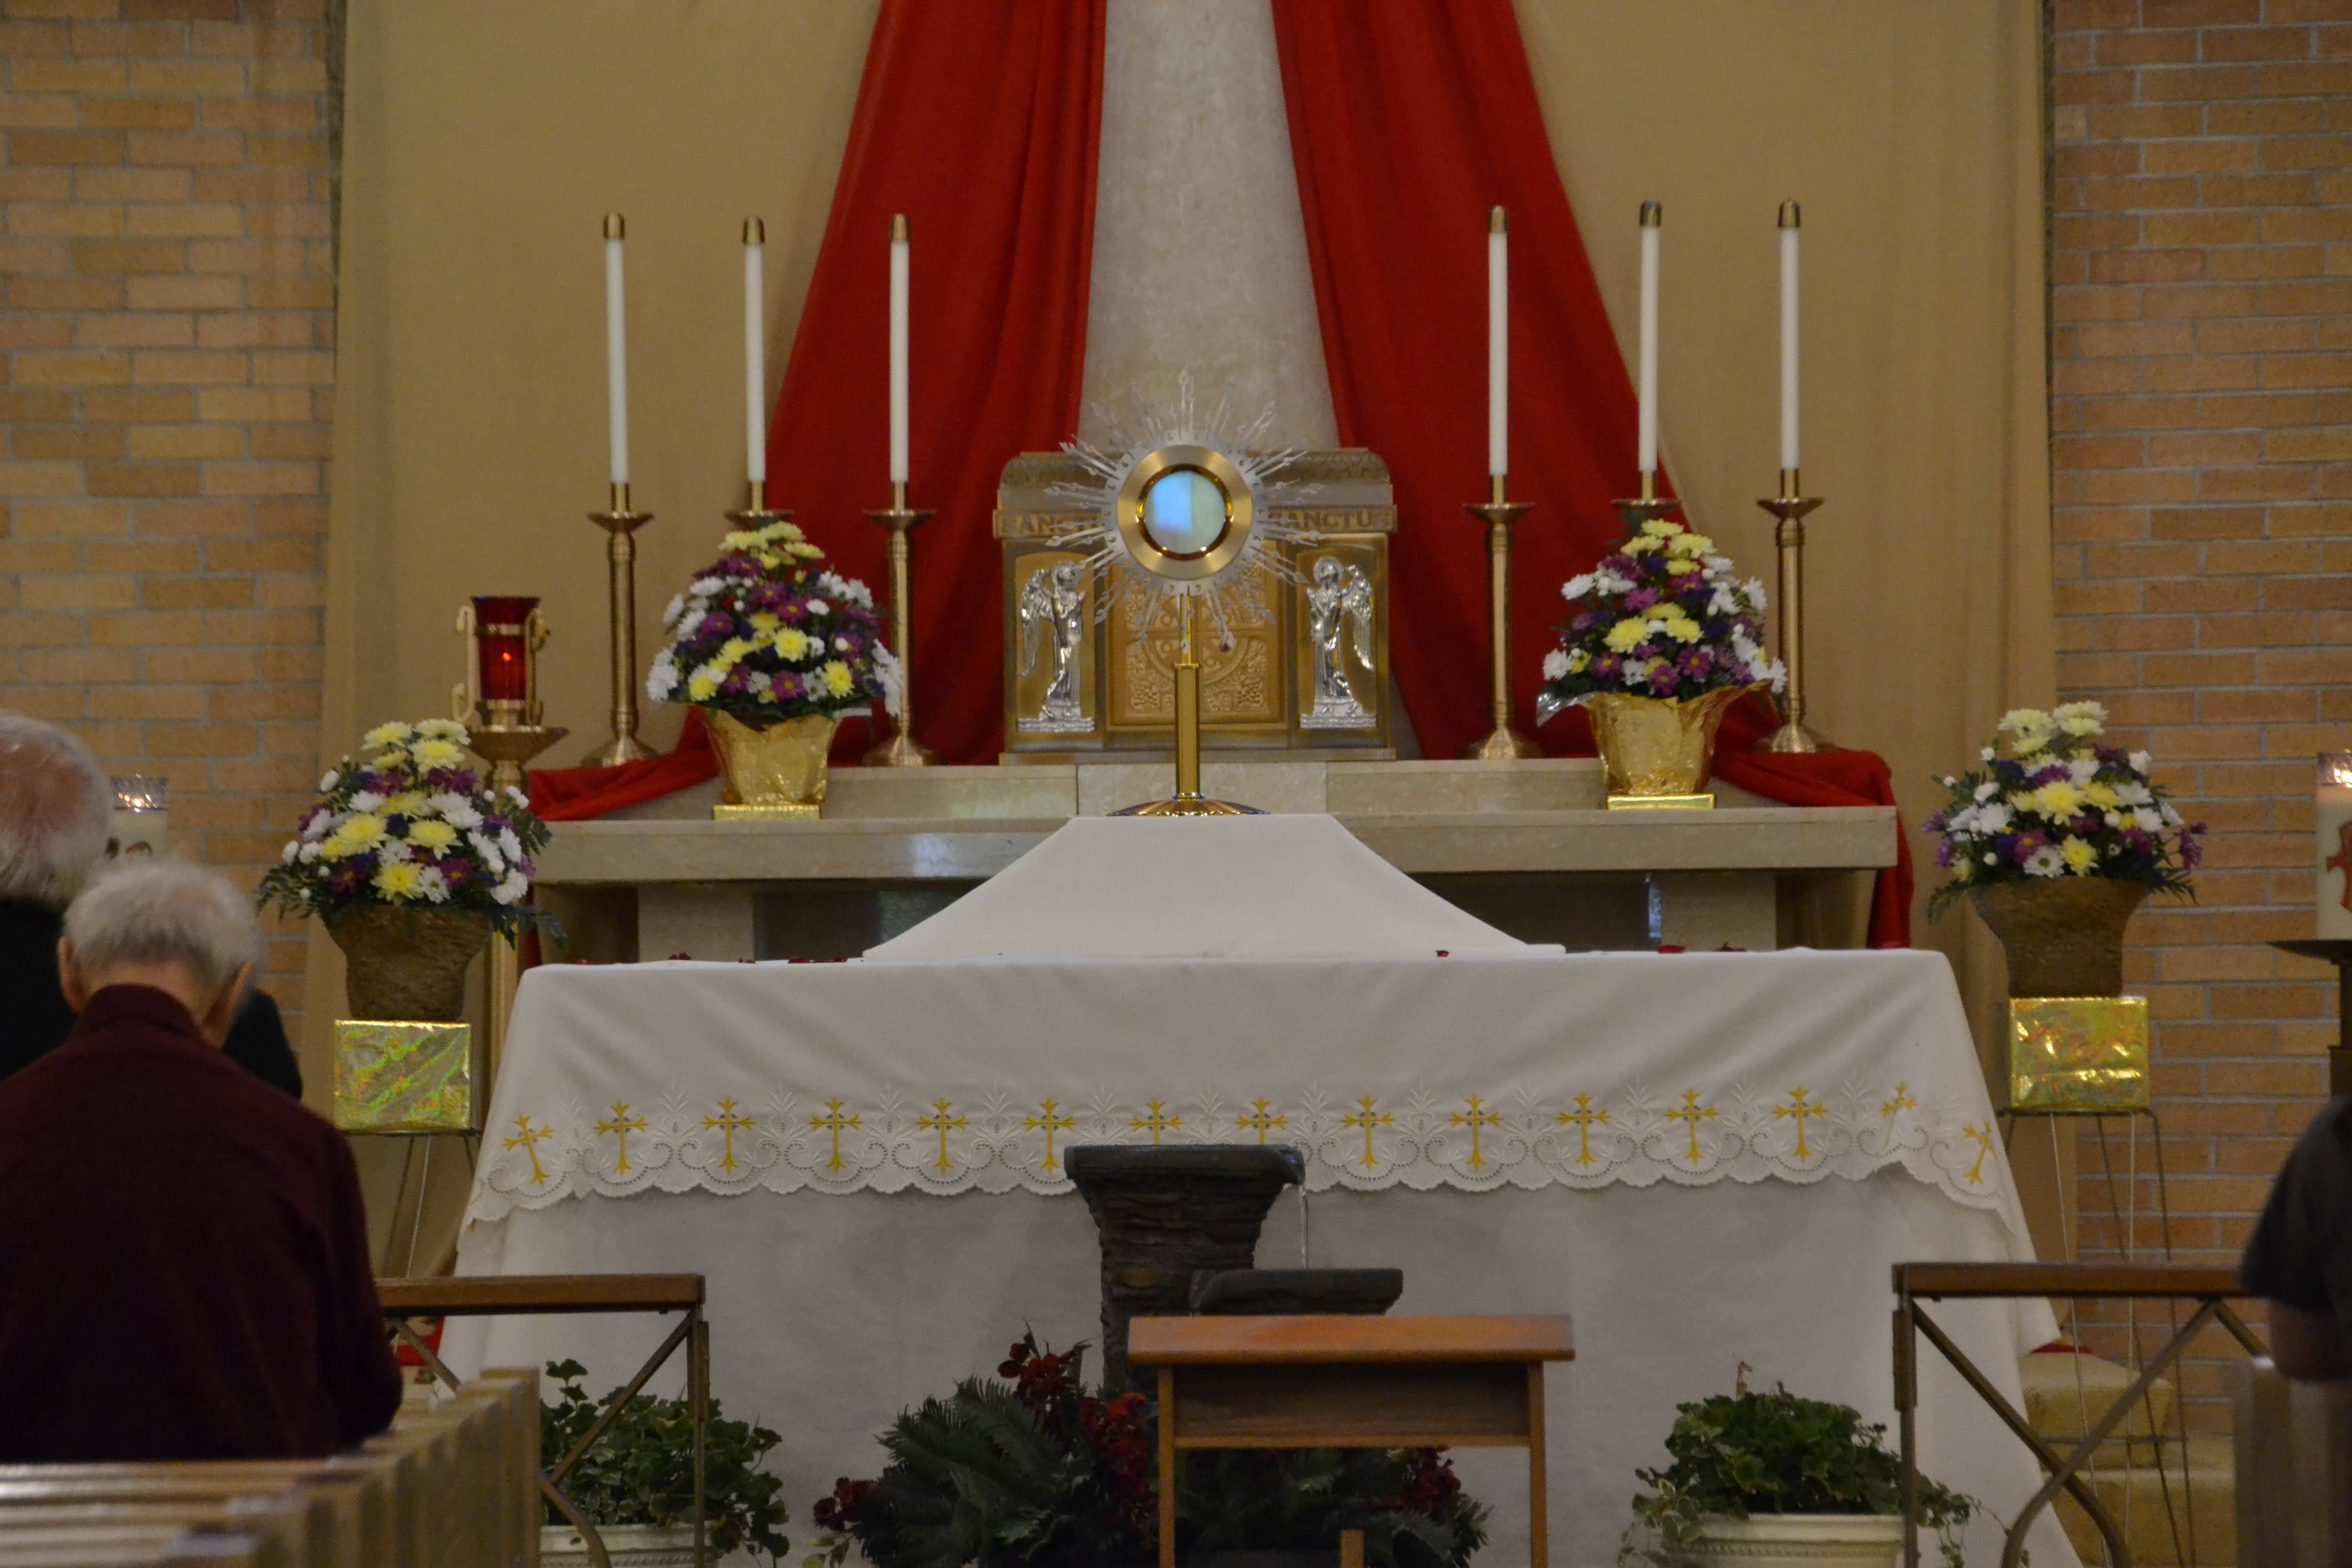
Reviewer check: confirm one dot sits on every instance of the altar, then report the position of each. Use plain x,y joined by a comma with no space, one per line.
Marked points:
1707,1159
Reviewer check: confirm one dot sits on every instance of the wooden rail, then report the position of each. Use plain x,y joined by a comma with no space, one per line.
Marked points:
2142,1280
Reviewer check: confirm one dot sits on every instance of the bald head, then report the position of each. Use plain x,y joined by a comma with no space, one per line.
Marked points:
55,808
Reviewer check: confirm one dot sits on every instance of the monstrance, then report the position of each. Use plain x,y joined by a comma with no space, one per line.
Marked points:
1177,518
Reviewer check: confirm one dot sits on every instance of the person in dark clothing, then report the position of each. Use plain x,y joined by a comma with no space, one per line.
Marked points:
185,1269
2300,1258
53,818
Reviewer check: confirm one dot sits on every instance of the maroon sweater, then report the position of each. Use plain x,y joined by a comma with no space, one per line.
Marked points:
185,1270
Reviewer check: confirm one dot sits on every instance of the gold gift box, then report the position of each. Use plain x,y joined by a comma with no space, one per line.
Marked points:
404,1078
2078,1053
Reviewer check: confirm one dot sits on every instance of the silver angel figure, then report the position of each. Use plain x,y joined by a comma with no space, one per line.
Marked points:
1053,605
1338,599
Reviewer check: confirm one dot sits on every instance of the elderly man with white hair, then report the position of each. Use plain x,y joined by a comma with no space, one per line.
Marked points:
55,808
185,1270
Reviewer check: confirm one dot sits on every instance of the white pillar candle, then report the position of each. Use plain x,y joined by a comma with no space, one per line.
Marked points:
898,260
1647,383
616,351
1788,221
2332,860
1498,342
755,359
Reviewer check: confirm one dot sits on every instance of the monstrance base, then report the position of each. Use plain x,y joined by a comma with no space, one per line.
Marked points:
1189,805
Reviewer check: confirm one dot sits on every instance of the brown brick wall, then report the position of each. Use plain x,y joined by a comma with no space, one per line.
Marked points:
168,330
2201,420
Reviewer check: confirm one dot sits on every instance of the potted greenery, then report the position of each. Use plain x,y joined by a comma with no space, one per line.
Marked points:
637,1484
1030,1471
1778,1481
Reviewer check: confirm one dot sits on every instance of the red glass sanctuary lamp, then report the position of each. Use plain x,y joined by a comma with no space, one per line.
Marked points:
501,689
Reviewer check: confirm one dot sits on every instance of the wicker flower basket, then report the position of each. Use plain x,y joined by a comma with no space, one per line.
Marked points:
2064,935
408,965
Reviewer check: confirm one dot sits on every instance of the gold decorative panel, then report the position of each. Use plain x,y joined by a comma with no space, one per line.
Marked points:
1276,687
404,1078
2078,1053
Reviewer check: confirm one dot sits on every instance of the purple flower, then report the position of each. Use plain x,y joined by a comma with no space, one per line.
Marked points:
1641,599
1662,678
346,879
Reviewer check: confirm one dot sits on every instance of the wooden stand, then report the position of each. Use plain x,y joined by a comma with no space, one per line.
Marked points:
1352,1383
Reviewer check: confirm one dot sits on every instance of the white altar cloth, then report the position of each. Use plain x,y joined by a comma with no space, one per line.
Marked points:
1704,1159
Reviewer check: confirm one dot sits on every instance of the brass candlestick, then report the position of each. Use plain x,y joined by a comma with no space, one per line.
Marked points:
1791,507
620,524
1503,743
901,750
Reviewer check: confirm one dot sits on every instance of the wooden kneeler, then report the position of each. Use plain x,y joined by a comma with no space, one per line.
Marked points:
1327,1382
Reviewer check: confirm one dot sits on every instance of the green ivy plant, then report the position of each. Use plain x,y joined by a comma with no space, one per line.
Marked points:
1746,1453
641,1471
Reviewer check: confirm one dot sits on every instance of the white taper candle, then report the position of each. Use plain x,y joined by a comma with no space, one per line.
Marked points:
1498,342
1647,383
755,358
1788,221
898,260
617,350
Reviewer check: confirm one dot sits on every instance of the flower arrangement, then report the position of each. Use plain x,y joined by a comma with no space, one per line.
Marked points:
410,826
1747,1453
1661,616
764,635
2060,803
1030,1470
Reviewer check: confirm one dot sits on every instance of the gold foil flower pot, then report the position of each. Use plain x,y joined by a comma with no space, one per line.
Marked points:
1657,751
2078,1053
403,1076
772,774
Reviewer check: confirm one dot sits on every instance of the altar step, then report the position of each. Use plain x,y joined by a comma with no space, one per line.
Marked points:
2164,1520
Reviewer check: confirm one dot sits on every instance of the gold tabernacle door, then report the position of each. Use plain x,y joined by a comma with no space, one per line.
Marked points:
1308,666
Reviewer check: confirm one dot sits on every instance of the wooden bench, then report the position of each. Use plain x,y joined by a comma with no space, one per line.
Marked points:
1330,1381
451,1487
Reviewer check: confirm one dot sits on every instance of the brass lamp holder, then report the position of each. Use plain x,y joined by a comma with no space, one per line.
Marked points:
1791,506
1503,743
506,733
620,525
901,750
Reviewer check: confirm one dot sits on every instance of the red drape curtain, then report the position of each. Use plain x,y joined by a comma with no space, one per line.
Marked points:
1407,123
981,124
1408,120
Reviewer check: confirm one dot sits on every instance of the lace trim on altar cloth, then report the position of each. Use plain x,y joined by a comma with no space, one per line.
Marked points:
790,1140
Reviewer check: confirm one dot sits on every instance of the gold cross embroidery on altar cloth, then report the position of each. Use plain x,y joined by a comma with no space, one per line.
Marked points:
1902,1101
833,1122
621,1126
1582,1118
1157,1121
1262,1121
1477,1117
938,1121
527,1139
1364,1116
727,1120
1051,1124
1982,1138
1694,1113
1798,1107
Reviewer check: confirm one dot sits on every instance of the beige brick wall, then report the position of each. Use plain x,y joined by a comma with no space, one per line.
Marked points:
2201,418
168,329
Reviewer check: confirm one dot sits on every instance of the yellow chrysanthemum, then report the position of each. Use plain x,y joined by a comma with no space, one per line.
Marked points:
1681,627
2080,856
742,538
432,834
437,755
1642,544
1627,634
792,643
770,560
1689,545
806,551
407,803
1681,565
1576,660
2059,798
765,620
1660,528
2103,796
442,730
362,830
400,880
731,652
836,677
392,734
701,684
